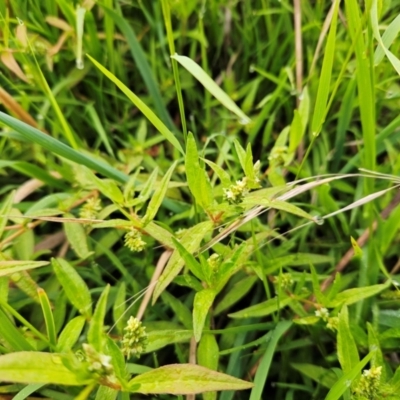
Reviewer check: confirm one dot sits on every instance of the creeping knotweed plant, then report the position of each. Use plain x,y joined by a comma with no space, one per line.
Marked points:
134,340
134,241
99,365
333,323
322,313
214,261
284,281
369,384
235,193
91,208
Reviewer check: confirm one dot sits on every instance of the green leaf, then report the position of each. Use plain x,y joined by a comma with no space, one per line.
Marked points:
237,292
96,328
147,112
159,339
208,352
323,376
158,196
146,191
342,383
316,288
287,207
309,320
10,267
37,367
194,266
321,108
33,135
24,245
5,211
346,345
191,241
74,286
119,307
27,391
295,259
202,303
351,296
241,153
197,179
142,65
160,234
211,86
77,237
33,171
223,176
180,310
300,121
266,360
390,34
375,348
48,317
208,356
186,379
263,309
106,393
117,359
70,334
11,335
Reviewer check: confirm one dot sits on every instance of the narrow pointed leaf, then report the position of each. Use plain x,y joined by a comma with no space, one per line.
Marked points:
37,367
186,379
211,86
202,303
147,112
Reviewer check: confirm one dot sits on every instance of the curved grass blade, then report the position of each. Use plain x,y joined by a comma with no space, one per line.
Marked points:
211,86
142,65
147,112
263,369
53,145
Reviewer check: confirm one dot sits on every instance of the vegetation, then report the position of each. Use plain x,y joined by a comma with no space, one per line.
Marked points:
199,197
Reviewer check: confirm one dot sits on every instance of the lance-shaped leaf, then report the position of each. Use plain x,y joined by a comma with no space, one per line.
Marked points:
351,296
9,267
198,181
147,112
202,303
191,241
211,86
186,379
37,367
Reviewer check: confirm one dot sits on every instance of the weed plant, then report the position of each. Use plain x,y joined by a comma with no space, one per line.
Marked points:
199,198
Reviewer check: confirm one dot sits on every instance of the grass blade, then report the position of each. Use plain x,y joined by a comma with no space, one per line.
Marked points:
320,109
263,368
211,86
148,113
142,65
35,136
48,317
342,384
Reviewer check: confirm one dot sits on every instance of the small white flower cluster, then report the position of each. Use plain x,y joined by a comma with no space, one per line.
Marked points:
214,261
100,364
235,193
285,281
322,313
134,241
331,322
135,339
369,384
91,208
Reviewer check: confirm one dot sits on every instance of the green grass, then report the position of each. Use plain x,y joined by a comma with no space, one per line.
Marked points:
180,177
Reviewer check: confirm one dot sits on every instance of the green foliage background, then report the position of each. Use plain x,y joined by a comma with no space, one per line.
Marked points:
93,107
